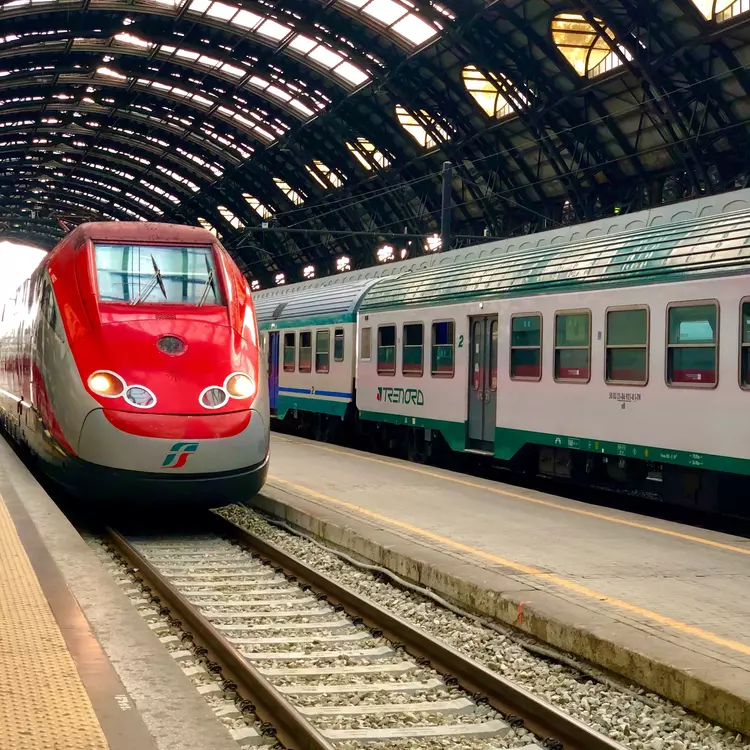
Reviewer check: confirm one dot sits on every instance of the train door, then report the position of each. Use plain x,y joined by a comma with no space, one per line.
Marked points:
483,334
273,369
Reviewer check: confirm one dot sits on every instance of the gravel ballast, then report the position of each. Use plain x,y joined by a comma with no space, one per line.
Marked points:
637,720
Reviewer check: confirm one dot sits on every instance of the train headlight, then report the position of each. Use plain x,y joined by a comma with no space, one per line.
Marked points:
240,385
106,384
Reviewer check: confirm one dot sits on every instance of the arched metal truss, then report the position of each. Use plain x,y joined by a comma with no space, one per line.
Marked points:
226,111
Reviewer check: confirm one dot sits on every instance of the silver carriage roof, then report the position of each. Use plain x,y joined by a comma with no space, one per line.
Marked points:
334,304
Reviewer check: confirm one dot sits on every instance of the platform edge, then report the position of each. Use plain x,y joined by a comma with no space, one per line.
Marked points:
355,537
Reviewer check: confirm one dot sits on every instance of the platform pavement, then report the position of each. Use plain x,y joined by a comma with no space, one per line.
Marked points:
663,604
79,667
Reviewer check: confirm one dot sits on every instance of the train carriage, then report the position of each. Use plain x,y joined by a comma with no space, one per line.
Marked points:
625,357
310,342
622,358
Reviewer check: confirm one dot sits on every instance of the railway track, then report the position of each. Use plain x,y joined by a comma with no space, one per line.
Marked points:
328,668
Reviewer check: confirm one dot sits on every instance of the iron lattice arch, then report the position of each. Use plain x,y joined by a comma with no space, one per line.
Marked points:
333,118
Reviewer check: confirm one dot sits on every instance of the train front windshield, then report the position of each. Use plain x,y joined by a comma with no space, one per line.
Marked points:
146,274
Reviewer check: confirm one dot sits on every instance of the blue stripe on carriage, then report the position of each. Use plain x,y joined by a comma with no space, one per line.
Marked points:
308,391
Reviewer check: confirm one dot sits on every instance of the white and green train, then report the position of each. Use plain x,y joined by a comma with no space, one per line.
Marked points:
621,355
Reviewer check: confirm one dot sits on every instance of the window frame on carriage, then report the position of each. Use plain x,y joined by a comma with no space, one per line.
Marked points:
569,347
452,328
309,347
517,347
289,366
380,369
412,373
670,347
622,347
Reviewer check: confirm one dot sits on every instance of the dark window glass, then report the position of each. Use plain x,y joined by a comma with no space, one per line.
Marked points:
443,342
387,350
305,351
338,345
289,351
322,351
627,346
412,360
526,347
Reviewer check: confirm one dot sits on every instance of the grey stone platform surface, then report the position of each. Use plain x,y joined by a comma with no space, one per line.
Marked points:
663,604
141,697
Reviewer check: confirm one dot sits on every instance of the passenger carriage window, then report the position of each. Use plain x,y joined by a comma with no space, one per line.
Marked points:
365,351
322,351
573,346
305,351
290,346
693,337
745,344
627,346
412,359
526,347
386,350
443,338
338,345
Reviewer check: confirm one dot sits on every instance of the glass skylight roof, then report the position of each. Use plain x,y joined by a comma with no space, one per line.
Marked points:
720,9
367,154
273,31
399,18
229,217
487,92
324,175
263,211
589,52
415,124
297,198
294,98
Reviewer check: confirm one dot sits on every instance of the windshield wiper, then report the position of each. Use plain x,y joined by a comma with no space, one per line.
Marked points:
153,281
208,285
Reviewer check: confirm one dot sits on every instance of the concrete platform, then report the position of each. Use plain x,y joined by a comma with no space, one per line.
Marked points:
662,604
79,667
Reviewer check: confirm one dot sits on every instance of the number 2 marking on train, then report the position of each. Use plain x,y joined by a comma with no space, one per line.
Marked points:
460,341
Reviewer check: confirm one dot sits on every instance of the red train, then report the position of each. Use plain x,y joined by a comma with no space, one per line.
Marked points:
129,365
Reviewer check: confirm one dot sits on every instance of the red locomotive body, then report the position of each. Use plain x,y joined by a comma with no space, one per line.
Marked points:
130,366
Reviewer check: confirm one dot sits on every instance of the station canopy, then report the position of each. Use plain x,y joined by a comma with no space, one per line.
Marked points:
328,121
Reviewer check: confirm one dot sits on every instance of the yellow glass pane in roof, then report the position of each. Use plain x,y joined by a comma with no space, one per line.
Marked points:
486,91
412,123
324,175
581,45
296,198
228,216
366,153
263,211
712,8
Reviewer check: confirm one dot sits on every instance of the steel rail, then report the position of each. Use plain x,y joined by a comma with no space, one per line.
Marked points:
292,729
539,717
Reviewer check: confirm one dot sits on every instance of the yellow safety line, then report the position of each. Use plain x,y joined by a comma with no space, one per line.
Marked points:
537,501
521,568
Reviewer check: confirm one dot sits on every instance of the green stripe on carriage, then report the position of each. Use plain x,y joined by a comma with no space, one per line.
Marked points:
508,442
319,321
316,405
453,432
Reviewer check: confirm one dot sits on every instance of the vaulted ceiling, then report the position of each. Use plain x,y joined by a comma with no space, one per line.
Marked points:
335,117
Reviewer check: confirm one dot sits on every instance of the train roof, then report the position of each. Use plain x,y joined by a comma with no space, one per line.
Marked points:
691,249
325,306
142,231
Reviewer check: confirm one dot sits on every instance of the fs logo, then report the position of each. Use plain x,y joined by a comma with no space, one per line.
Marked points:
178,455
